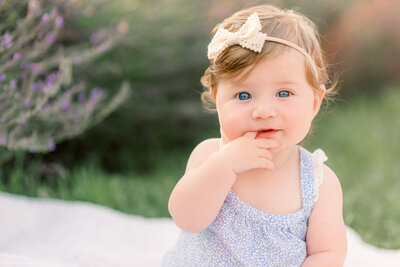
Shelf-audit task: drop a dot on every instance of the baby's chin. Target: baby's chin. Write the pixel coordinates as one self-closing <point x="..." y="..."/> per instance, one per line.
<point x="275" y="150"/>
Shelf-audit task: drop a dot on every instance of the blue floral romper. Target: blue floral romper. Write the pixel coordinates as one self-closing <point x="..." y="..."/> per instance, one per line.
<point x="244" y="236"/>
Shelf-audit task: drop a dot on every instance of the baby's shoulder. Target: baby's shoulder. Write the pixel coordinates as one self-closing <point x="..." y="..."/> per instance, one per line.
<point x="201" y="152"/>
<point x="330" y="177"/>
<point x="330" y="190"/>
<point x="207" y="146"/>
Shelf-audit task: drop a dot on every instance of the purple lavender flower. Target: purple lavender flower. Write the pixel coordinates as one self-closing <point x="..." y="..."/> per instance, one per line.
<point x="51" y="144"/>
<point x="2" y="118"/>
<point x="3" y="139"/>
<point x="2" y="77"/>
<point x="23" y="74"/>
<point x="95" y="93"/>
<point x="95" y="38"/>
<point x="13" y="83"/>
<point x="82" y="97"/>
<point x="8" y="41"/>
<point x="65" y="105"/>
<point x="45" y="89"/>
<point x="90" y="104"/>
<point x="22" y="121"/>
<point x="35" y="68"/>
<point x="50" y="38"/>
<point x="59" y="21"/>
<point x="35" y="86"/>
<point x="27" y="102"/>
<point x="16" y="56"/>
<point x="45" y="17"/>
<point x="102" y="48"/>
<point x="26" y="65"/>
<point x="51" y="78"/>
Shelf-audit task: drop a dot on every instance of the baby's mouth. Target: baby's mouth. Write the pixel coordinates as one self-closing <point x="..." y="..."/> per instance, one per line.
<point x="266" y="133"/>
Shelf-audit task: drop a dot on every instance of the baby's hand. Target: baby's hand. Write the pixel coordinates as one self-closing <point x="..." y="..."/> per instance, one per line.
<point x="246" y="152"/>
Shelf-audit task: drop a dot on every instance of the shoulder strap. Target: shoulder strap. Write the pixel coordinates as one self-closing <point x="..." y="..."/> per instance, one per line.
<point x="306" y="177"/>
<point x="318" y="158"/>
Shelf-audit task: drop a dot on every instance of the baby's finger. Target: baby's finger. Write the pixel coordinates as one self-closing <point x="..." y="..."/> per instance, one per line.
<point x="264" y="153"/>
<point x="265" y="164"/>
<point x="250" y="135"/>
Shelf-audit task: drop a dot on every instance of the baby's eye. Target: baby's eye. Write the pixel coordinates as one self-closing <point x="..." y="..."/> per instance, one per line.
<point x="243" y="96"/>
<point x="284" y="93"/>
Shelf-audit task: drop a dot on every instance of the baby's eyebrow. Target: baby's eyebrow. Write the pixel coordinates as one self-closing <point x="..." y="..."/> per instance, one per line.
<point x="288" y="82"/>
<point x="238" y="86"/>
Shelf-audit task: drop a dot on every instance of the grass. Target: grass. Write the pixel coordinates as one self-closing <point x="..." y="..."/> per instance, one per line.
<point x="360" y="138"/>
<point x="142" y="194"/>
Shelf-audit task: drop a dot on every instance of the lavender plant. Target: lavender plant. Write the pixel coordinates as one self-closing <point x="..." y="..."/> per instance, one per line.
<point x="41" y="103"/>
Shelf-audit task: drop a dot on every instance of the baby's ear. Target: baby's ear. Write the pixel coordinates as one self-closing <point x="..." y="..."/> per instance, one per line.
<point x="318" y="97"/>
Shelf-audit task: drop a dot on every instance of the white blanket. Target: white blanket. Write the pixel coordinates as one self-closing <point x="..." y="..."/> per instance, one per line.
<point x="39" y="232"/>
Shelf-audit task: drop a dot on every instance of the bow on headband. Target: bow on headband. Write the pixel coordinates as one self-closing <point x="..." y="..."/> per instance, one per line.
<point x="248" y="36"/>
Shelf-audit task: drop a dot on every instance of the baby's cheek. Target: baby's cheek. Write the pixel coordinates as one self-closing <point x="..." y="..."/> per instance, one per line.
<point x="300" y="129"/>
<point x="232" y="126"/>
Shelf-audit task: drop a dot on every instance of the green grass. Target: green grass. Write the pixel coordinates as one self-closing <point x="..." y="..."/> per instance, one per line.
<point x="359" y="136"/>
<point x="361" y="139"/>
<point x="142" y="194"/>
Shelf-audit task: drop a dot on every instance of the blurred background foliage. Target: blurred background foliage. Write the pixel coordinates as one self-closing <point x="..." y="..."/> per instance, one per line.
<point x="41" y="101"/>
<point x="131" y="160"/>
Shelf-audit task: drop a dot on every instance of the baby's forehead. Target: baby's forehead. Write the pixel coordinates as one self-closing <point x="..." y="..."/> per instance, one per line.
<point x="249" y="83"/>
<point x="285" y="68"/>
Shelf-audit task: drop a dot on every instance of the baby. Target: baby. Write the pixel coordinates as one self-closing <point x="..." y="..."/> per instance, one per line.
<point x="254" y="197"/>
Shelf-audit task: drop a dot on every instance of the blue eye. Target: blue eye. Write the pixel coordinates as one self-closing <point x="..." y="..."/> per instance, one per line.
<point x="243" y="96"/>
<point x="283" y="93"/>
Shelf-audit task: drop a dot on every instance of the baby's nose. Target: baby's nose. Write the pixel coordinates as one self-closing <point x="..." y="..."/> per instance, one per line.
<point x="264" y="111"/>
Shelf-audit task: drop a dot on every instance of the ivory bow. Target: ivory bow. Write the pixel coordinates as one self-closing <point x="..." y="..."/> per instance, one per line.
<point x="248" y="36"/>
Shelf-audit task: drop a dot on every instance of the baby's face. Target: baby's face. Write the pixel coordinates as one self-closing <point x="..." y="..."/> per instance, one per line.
<point x="275" y="100"/>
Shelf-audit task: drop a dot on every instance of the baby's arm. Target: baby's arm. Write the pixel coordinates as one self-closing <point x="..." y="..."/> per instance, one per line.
<point x="210" y="173"/>
<point x="198" y="196"/>
<point x="326" y="234"/>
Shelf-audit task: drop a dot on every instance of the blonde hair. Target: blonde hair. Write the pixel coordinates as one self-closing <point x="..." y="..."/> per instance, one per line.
<point x="284" y="24"/>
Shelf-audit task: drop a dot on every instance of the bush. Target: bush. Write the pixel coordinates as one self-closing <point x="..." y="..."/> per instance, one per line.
<point x="41" y="100"/>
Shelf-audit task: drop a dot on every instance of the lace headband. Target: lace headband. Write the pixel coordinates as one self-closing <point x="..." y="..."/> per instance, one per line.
<point x="248" y="36"/>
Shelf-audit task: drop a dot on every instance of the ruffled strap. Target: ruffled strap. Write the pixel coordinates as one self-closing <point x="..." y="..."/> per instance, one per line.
<point x="318" y="158"/>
